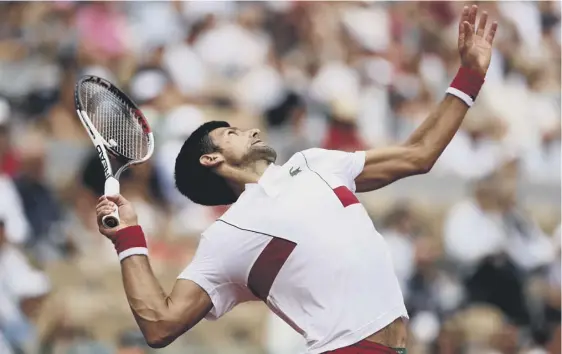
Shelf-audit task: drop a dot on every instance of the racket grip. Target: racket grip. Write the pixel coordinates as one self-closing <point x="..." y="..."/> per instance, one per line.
<point x="111" y="188"/>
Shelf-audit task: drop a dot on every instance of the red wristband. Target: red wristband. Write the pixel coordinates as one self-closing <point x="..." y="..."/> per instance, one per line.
<point x="130" y="241"/>
<point x="466" y="85"/>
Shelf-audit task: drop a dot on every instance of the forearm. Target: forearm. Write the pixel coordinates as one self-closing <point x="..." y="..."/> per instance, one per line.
<point x="161" y="318"/>
<point x="151" y="307"/>
<point x="435" y="133"/>
<point x="437" y="130"/>
<point x="146" y="298"/>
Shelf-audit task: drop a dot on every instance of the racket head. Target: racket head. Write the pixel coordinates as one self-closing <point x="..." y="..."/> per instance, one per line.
<point x="112" y="117"/>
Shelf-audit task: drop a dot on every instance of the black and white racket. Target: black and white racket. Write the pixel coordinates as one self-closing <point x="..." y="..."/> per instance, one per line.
<point x="116" y="126"/>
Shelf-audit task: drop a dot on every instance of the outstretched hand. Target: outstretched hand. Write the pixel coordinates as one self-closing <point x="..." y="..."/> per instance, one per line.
<point x="475" y="43"/>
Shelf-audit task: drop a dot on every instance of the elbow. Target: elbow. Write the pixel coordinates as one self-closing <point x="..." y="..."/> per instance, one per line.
<point x="423" y="161"/>
<point x="421" y="158"/>
<point x="157" y="344"/>
<point x="425" y="166"/>
<point x="160" y="335"/>
<point x="158" y="341"/>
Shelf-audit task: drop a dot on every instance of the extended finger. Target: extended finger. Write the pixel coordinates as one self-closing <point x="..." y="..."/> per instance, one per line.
<point x="462" y="33"/>
<point x="482" y="24"/>
<point x="464" y="15"/>
<point x="492" y="33"/>
<point x="468" y="32"/>
<point x="472" y="15"/>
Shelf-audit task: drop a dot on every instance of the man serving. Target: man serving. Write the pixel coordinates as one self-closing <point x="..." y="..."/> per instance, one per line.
<point x="296" y="237"/>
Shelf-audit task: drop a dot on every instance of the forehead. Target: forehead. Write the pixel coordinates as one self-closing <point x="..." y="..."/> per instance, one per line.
<point x="216" y="134"/>
<point x="219" y="131"/>
<point x="219" y="134"/>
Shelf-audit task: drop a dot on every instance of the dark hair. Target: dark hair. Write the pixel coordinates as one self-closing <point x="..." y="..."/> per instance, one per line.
<point x="197" y="182"/>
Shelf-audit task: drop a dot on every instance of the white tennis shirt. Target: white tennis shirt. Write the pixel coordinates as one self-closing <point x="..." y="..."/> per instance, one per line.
<point x="300" y="241"/>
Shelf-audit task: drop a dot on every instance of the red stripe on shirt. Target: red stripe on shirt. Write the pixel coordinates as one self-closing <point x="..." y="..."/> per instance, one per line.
<point x="267" y="266"/>
<point x="345" y="196"/>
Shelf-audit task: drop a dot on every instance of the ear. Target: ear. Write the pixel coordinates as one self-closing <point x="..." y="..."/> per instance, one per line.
<point x="211" y="160"/>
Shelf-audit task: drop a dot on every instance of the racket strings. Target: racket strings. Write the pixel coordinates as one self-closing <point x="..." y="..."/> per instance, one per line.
<point x="115" y="121"/>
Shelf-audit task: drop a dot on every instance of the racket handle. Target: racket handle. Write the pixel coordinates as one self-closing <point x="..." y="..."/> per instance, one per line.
<point x="111" y="188"/>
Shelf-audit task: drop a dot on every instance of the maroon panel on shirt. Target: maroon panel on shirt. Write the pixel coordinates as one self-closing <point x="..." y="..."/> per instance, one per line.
<point x="345" y="196"/>
<point x="267" y="266"/>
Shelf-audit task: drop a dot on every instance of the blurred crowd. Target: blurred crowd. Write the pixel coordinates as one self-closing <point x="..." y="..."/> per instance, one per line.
<point x="479" y="268"/>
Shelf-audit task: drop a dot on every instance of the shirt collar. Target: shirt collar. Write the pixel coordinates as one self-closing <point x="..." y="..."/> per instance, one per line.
<point x="269" y="180"/>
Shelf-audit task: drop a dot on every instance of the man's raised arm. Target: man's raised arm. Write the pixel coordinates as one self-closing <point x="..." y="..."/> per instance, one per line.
<point x="162" y="318"/>
<point x="420" y="152"/>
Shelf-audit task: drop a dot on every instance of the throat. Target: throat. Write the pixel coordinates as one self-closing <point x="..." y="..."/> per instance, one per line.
<point x="249" y="174"/>
<point x="258" y="169"/>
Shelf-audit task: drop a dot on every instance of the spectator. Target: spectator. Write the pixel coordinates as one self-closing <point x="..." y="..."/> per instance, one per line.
<point x="102" y="29"/>
<point x="12" y="213"/>
<point x="342" y="131"/>
<point x="432" y="288"/>
<point x="400" y="232"/>
<point x="496" y="224"/>
<point x="487" y="331"/>
<point x="473" y="227"/>
<point x="554" y="284"/>
<point x="476" y="150"/>
<point x="231" y="49"/>
<point x="23" y="291"/>
<point x="541" y="163"/>
<point x="505" y="246"/>
<point x="9" y="161"/>
<point x="287" y="126"/>
<point x="41" y="207"/>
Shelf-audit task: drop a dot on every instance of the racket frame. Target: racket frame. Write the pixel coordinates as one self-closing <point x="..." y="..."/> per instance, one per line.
<point x="111" y="186"/>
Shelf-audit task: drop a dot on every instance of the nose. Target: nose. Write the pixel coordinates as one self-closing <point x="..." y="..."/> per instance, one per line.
<point x="254" y="132"/>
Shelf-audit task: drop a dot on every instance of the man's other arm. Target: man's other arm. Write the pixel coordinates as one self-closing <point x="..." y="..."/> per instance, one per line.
<point x="161" y="318"/>
<point x="423" y="148"/>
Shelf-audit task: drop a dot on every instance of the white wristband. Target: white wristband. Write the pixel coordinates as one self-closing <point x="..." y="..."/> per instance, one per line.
<point x="461" y="95"/>
<point x="143" y="251"/>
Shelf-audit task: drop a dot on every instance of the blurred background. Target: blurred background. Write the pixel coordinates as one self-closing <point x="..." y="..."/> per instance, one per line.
<point x="476" y="242"/>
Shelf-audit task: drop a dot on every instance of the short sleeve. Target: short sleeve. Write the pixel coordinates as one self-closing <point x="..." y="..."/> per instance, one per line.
<point x="347" y="165"/>
<point x="207" y="271"/>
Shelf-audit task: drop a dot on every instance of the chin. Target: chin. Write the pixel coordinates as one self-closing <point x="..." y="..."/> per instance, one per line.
<point x="263" y="152"/>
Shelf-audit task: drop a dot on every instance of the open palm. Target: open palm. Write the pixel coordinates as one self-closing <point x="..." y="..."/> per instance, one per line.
<point x="475" y="45"/>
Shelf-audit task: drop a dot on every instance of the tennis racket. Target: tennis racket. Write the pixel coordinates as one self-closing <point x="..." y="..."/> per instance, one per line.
<point x="117" y="128"/>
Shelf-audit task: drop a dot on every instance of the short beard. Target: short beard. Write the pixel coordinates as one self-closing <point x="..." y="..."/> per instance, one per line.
<point x="260" y="153"/>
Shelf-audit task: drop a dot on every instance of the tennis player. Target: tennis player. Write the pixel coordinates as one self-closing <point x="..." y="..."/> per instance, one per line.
<point x="296" y="237"/>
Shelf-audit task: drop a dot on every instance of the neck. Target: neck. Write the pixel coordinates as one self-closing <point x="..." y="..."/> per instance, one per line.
<point x="238" y="177"/>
